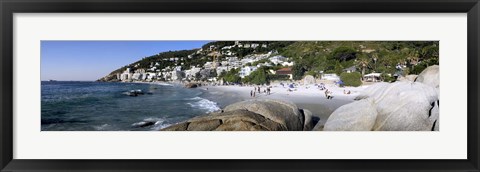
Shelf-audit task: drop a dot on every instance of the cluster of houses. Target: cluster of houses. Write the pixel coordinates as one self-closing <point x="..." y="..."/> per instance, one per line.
<point x="177" y="73"/>
<point x="230" y="62"/>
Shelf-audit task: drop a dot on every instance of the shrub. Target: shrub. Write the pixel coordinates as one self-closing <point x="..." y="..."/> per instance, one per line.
<point x="351" y="79"/>
<point x="258" y="77"/>
<point x="387" y="78"/>
<point x="278" y="77"/>
<point x="313" y="73"/>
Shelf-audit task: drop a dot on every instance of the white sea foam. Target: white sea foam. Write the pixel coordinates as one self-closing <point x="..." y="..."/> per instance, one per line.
<point x="159" y="123"/>
<point x="101" y="127"/>
<point x="205" y="104"/>
<point x="164" y="84"/>
<point x="195" y="98"/>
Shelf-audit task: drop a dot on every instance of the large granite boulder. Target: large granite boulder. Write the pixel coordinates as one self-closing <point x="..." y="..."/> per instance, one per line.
<point x="373" y="90"/>
<point x="352" y="118"/>
<point x="308" y="121"/>
<point x="430" y="76"/>
<point x="408" y="78"/>
<point x="398" y="106"/>
<point x="309" y="79"/>
<point x="251" y="115"/>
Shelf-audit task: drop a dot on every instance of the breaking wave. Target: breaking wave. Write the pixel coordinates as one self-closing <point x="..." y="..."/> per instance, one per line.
<point x="205" y="104"/>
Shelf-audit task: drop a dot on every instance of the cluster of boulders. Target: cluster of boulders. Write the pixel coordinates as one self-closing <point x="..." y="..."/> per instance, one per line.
<point x="408" y="105"/>
<point x="251" y="115"/>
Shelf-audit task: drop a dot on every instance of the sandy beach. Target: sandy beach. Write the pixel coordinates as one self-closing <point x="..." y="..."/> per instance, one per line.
<point x="304" y="96"/>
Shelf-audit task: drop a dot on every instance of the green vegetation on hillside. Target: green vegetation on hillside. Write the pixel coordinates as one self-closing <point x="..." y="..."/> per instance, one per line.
<point x="366" y="56"/>
<point x="390" y="58"/>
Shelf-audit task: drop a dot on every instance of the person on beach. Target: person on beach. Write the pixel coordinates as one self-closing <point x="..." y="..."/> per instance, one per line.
<point x="326" y="93"/>
<point x="254" y="94"/>
<point x="251" y="93"/>
<point x="329" y="95"/>
<point x="259" y="89"/>
<point x="268" y="90"/>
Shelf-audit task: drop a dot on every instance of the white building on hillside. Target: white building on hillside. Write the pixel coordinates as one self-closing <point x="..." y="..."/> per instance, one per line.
<point x="137" y="76"/>
<point x="247" y="60"/>
<point x="247" y="70"/>
<point x="287" y="64"/>
<point x="191" y="73"/>
<point x="177" y="75"/>
<point x="277" y="59"/>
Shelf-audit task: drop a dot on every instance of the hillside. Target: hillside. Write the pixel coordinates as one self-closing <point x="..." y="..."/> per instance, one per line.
<point x="308" y="57"/>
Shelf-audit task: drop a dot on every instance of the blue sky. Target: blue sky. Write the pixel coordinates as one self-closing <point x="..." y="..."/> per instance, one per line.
<point x="91" y="60"/>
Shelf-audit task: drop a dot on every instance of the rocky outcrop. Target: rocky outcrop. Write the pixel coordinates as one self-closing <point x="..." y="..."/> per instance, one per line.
<point x="430" y="76"/>
<point x="399" y="106"/>
<point x="309" y="79"/>
<point x="351" y="118"/>
<point x="408" y="78"/>
<point x="251" y="115"/>
<point x="143" y="124"/>
<point x="191" y="85"/>
<point x="109" y="78"/>
<point x="308" y="121"/>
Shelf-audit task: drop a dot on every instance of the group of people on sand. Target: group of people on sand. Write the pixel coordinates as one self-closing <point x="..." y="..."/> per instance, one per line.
<point x="321" y="86"/>
<point x="258" y="89"/>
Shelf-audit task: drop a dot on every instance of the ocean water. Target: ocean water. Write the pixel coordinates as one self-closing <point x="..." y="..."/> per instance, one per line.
<point x="100" y="106"/>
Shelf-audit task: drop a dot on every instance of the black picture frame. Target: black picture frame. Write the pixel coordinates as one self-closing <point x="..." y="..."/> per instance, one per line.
<point x="9" y="7"/>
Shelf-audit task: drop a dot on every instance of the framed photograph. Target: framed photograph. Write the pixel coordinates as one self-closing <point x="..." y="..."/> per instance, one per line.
<point x="199" y="85"/>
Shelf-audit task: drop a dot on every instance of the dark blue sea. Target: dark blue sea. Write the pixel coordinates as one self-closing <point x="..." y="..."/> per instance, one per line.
<point x="103" y="106"/>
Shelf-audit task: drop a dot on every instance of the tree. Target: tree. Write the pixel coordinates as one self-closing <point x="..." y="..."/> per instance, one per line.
<point x="362" y="62"/>
<point x="298" y="71"/>
<point x="231" y="76"/>
<point x="213" y="73"/>
<point x="343" y="53"/>
<point x="413" y="57"/>
<point x="258" y="77"/>
<point x="338" y="68"/>
<point x="222" y="74"/>
<point x="198" y="76"/>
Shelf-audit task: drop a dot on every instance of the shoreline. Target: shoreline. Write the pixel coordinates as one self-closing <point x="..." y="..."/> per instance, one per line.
<point x="304" y="96"/>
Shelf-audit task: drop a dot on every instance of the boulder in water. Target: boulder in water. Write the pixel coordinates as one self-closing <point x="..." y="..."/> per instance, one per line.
<point x="143" y="124"/>
<point x="191" y="85"/>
